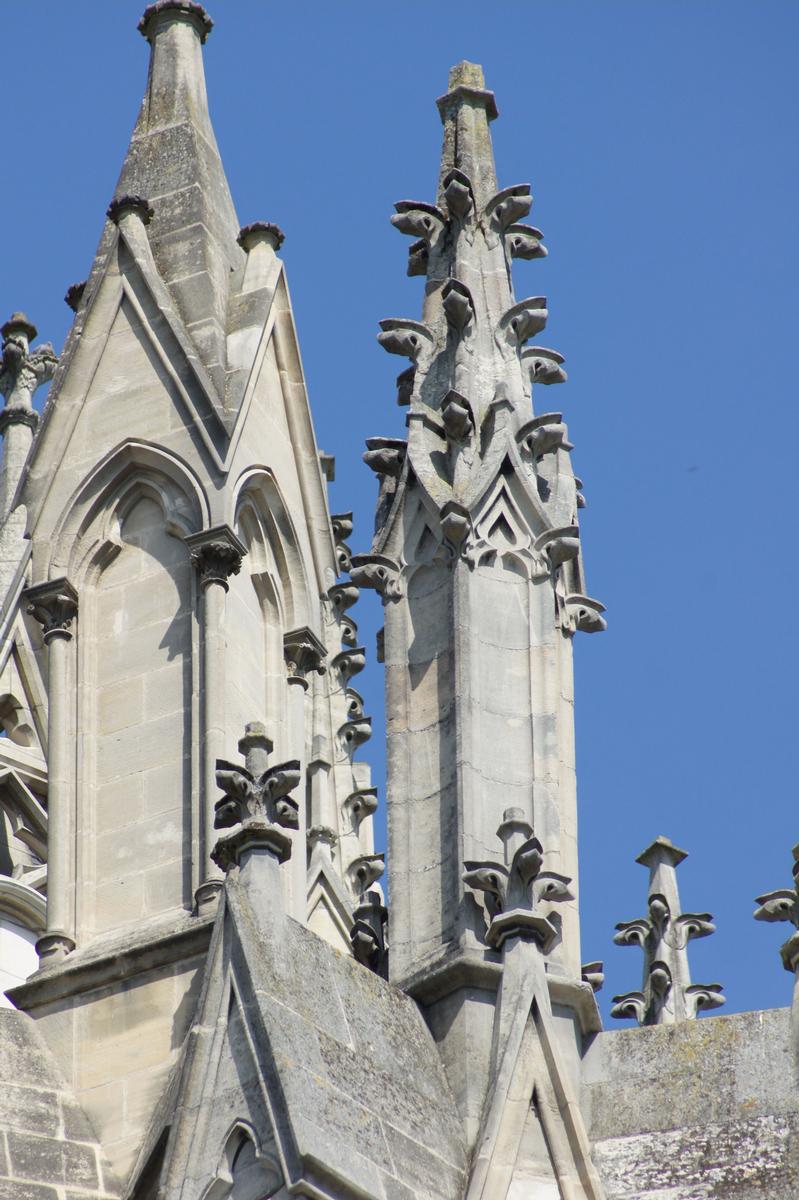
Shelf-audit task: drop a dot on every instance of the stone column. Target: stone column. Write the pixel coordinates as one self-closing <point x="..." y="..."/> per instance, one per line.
<point x="217" y="554"/>
<point x="55" y="606"/>
<point x="22" y="371"/>
<point x="304" y="654"/>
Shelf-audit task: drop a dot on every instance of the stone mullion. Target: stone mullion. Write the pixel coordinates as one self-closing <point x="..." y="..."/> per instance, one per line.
<point x="55" y="605"/>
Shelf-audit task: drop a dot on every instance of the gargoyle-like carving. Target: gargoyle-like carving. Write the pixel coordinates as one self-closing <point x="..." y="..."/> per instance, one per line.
<point x="354" y="704"/>
<point x="378" y="572"/>
<point x="385" y="456"/>
<point x="523" y="320"/>
<point x="457" y="188"/>
<point x="513" y="892"/>
<point x="368" y="933"/>
<point x="349" y="632"/>
<point x="524" y="241"/>
<point x="544" y="365"/>
<point x="342" y="525"/>
<point x="457" y="303"/>
<point x="408" y="338"/>
<point x="343" y="595"/>
<point x="365" y="871"/>
<point x="405" y="382"/>
<point x="54" y="605"/>
<point x="457" y="416"/>
<point x="783" y="905"/>
<point x="303" y="653"/>
<point x="342" y="528"/>
<point x="542" y="435"/>
<point x="583" y="613"/>
<point x="360" y="805"/>
<point x="23" y="370"/>
<point x="509" y="206"/>
<point x="667" y="994"/>
<point x="355" y="732"/>
<point x="418" y="258"/>
<point x="560" y="545"/>
<point x="350" y="662"/>
<point x="419" y="220"/>
<point x="578" y="483"/>
<point x="256" y="797"/>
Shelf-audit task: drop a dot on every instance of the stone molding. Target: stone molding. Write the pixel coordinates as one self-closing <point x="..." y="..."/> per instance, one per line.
<point x="18" y="414"/>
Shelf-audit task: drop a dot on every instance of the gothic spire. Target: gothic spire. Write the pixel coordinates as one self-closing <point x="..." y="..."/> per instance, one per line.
<point x="173" y="162"/>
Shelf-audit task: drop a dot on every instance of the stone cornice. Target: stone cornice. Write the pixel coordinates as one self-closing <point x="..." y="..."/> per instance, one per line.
<point x="115" y="959"/>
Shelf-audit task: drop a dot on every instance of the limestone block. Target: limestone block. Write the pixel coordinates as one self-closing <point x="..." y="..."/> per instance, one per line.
<point x="47" y="1160"/>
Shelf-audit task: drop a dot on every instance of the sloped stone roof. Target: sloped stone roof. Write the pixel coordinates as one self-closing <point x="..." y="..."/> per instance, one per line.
<point x="358" y="1101"/>
<point x="48" y="1150"/>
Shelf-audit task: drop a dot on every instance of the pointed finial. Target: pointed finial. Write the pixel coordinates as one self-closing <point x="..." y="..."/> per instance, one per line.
<point x="467" y="82"/>
<point x="174" y="9"/>
<point x="667" y="995"/>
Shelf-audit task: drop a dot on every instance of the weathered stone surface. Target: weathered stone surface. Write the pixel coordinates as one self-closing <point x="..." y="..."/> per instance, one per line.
<point x="694" y="1111"/>
<point x="47" y="1143"/>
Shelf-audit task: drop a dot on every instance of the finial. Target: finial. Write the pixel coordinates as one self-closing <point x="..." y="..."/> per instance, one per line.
<point x="467" y="82"/>
<point x="121" y="205"/>
<point x="667" y="995"/>
<point x="256" y="797"/>
<point x="194" y="13"/>
<point x="18" y="324"/>
<point x="513" y="891"/>
<point x="260" y="231"/>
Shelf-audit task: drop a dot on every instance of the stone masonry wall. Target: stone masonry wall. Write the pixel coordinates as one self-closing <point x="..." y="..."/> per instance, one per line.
<point x="701" y="1110"/>
<point x="48" y="1150"/>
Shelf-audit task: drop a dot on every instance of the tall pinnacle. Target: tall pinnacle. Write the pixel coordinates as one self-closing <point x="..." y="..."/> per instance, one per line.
<point x="173" y="162"/>
<point x="466" y="109"/>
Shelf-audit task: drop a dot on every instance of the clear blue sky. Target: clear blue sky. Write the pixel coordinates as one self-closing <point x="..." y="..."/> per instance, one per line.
<point x="660" y="141"/>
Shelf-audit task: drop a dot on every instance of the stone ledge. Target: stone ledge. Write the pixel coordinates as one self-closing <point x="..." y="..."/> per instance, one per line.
<point x="110" y="960"/>
<point x="482" y="969"/>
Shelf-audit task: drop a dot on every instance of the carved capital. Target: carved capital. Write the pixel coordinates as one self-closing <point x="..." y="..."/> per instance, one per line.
<point x="120" y="206"/>
<point x="378" y="572"/>
<point x="303" y="653"/>
<point x="217" y="554"/>
<point x="260" y="231"/>
<point x="54" y="605"/>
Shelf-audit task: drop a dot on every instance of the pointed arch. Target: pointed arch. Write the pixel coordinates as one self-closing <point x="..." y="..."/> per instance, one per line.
<point x="258" y="493"/>
<point x="88" y="532"/>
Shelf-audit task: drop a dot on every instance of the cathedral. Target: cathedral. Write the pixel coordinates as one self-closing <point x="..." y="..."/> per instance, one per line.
<point x="212" y="984"/>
